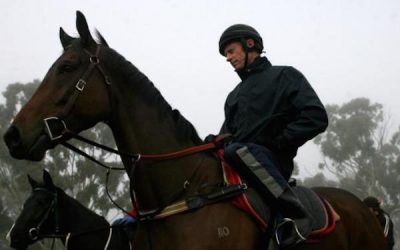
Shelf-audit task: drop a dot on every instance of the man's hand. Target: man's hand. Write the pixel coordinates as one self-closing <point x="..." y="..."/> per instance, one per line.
<point x="209" y="138"/>
<point x="125" y="221"/>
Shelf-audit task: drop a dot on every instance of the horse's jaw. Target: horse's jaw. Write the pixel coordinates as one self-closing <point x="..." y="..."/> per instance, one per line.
<point x="18" y="247"/>
<point x="19" y="244"/>
<point x="39" y="148"/>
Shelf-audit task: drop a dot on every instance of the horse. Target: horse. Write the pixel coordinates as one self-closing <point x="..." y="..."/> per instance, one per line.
<point x="90" y="83"/>
<point x="50" y="213"/>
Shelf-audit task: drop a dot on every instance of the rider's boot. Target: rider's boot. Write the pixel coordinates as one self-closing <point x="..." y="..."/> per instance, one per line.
<point x="297" y="222"/>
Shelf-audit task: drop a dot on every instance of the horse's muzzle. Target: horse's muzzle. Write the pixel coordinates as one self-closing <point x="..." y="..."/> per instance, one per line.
<point x="19" y="150"/>
<point x="12" y="138"/>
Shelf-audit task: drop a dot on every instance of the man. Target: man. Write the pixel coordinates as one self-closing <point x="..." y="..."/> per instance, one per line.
<point x="387" y="225"/>
<point x="271" y="113"/>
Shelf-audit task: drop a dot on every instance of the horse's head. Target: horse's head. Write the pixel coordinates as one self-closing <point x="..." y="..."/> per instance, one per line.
<point x="38" y="215"/>
<point x="74" y="93"/>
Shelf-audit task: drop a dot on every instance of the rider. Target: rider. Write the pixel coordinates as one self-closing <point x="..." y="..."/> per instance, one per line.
<point x="387" y="225"/>
<point x="271" y="113"/>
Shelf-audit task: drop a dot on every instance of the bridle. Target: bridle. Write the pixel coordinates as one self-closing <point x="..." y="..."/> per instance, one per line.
<point x="34" y="232"/>
<point x="55" y="125"/>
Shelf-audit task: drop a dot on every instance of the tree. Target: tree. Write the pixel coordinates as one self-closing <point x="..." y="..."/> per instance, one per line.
<point x="319" y="180"/>
<point x="80" y="177"/>
<point x="360" y="150"/>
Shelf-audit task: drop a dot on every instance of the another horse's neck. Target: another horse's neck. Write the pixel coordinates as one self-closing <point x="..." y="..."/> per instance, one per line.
<point x="144" y="122"/>
<point x="76" y="219"/>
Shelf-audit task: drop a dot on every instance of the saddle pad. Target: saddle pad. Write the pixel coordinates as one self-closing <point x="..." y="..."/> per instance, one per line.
<point x="250" y="202"/>
<point x="257" y="210"/>
<point x="314" y="206"/>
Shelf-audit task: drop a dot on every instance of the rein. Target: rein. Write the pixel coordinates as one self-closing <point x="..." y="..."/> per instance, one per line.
<point x="56" y="128"/>
<point x="145" y="157"/>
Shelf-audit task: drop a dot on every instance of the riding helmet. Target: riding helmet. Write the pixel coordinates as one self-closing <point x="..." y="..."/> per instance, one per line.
<point x="238" y="32"/>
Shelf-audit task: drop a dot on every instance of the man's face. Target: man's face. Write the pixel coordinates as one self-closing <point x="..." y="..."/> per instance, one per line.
<point x="234" y="54"/>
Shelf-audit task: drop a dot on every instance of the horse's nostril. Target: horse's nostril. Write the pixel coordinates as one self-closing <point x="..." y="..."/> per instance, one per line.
<point x="12" y="137"/>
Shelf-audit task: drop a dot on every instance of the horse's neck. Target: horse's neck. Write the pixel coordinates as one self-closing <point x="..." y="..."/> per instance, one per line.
<point x="141" y="120"/>
<point x="77" y="219"/>
<point x="140" y="126"/>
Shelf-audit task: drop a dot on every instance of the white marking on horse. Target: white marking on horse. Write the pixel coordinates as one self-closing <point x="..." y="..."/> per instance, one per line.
<point x="223" y="232"/>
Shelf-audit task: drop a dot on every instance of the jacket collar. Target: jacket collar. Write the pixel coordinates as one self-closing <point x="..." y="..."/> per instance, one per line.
<point x="259" y="64"/>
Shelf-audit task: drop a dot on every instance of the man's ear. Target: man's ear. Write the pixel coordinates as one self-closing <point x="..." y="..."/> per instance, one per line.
<point x="250" y="43"/>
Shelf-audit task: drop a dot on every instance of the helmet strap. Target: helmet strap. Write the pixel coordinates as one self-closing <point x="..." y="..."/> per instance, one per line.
<point x="246" y="51"/>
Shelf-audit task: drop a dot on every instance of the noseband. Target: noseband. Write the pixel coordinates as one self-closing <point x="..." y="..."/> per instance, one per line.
<point x="55" y="125"/>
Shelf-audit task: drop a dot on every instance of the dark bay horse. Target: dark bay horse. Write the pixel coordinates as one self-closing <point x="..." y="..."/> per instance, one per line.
<point x="91" y="83"/>
<point x="49" y="209"/>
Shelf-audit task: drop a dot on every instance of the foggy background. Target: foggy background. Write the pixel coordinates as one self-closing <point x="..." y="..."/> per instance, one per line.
<point x="346" y="49"/>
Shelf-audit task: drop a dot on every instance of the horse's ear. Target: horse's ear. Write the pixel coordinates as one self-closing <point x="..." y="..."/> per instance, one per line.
<point x="47" y="179"/>
<point x="101" y="38"/>
<point x="32" y="182"/>
<point x="65" y="39"/>
<point x="83" y="30"/>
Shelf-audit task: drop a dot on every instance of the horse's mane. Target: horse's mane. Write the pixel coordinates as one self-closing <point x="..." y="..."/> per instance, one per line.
<point x="151" y="94"/>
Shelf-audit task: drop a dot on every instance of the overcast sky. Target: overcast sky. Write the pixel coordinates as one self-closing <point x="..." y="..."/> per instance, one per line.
<point x="345" y="48"/>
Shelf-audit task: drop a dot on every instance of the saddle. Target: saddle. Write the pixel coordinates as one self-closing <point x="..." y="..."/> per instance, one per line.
<point x="324" y="215"/>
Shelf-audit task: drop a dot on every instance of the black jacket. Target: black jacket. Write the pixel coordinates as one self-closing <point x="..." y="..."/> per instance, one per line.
<point x="276" y="107"/>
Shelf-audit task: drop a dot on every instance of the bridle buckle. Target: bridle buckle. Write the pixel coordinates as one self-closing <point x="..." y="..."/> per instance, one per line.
<point x="53" y="131"/>
<point x="80" y="85"/>
<point x="34" y="233"/>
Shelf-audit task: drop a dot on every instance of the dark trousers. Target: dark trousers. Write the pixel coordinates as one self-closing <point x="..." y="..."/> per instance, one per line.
<point x="261" y="170"/>
<point x="258" y="166"/>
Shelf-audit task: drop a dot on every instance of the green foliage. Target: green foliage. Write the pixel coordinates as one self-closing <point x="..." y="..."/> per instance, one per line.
<point x="80" y="177"/>
<point x="360" y="150"/>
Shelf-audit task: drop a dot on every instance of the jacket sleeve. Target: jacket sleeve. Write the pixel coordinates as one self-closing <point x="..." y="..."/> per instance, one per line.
<point x="311" y="118"/>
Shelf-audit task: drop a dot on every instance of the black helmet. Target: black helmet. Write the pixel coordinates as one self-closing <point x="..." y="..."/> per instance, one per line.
<point x="372" y="202"/>
<point x="238" y="32"/>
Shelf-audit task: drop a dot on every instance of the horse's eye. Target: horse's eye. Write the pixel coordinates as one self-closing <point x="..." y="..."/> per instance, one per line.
<point x="65" y="68"/>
